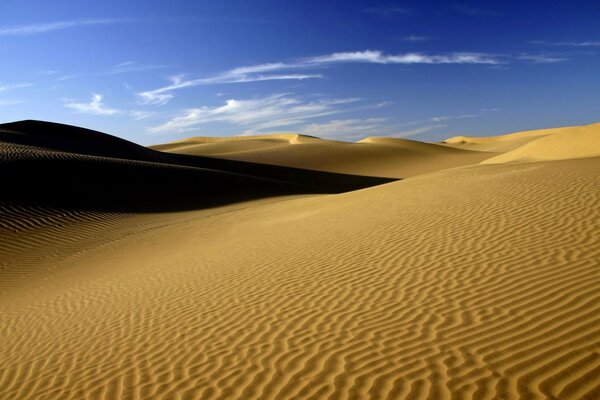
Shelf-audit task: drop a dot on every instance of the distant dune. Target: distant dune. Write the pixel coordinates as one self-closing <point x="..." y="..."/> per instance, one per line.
<point x="291" y="267"/>
<point x="566" y="143"/>
<point x="385" y="157"/>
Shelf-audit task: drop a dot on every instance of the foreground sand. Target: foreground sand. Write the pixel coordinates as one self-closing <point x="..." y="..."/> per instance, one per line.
<point x="481" y="281"/>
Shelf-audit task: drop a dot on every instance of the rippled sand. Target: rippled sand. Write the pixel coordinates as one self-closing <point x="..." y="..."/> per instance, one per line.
<point x="466" y="280"/>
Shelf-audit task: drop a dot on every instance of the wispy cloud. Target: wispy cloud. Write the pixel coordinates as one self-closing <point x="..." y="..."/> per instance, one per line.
<point x="254" y="73"/>
<point x="567" y="44"/>
<point x="255" y="115"/>
<point x="541" y="58"/>
<point x="474" y="11"/>
<point x="377" y="57"/>
<point x="416" y="131"/>
<point x="94" y="107"/>
<point x="139" y="115"/>
<point x="347" y="128"/>
<point x="11" y="86"/>
<point x="415" y="38"/>
<point x="131" y="66"/>
<point x="275" y="71"/>
<point x="33" y="29"/>
<point x="390" y="11"/>
<point x="9" y="102"/>
<point x="441" y="118"/>
<point x="446" y="118"/>
<point x="121" y="68"/>
<point x="46" y="72"/>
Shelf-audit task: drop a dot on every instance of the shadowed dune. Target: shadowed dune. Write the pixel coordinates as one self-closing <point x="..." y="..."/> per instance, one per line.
<point x="54" y="165"/>
<point x="479" y="281"/>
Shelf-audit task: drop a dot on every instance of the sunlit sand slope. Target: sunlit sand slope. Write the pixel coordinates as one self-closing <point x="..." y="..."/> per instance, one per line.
<point x="502" y="143"/>
<point x="478" y="282"/>
<point x="385" y="157"/>
<point x="575" y="142"/>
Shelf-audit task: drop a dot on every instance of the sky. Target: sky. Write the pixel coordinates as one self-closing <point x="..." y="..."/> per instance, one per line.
<point x="154" y="71"/>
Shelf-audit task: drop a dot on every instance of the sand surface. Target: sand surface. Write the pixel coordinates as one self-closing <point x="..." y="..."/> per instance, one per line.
<point x="476" y="277"/>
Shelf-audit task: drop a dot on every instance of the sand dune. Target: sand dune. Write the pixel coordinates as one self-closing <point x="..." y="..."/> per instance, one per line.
<point x="385" y="157"/>
<point x="502" y="143"/>
<point x="228" y="144"/>
<point x="575" y="142"/>
<point x="54" y="165"/>
<point x="479" y="281"/>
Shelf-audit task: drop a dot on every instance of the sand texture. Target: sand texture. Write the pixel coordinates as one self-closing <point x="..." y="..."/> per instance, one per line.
<point x="476" y="276"/>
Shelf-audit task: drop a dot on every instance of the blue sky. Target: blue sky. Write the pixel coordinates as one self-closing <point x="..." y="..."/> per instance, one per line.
<point x="154" y="71"/>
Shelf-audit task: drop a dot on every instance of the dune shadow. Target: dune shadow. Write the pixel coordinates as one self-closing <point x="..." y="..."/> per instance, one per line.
<point x="61" y="166"/>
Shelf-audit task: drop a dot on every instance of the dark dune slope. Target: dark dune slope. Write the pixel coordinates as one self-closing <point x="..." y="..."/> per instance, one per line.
<point x="62" y="166"/>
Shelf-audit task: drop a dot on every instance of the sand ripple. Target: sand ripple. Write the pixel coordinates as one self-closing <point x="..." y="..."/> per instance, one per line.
<point x="480" y="282"/>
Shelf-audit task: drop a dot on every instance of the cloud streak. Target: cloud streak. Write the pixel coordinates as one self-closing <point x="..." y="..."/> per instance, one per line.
<point x="289" y="71"/>
<point x="417" y="131"/>
<point x="474" y="11"/>
<point x="34" y="29"/>
<point x="390" y="11"/>
<point x="541" y="58"/>
<point x="12" y="86"/>
<point x="377" y="57"/>
<point x="163" y="94"/>
<point x="254" y="115"/>
<point x="347" y="128"/>
<point x="94" y="107"/>
<point x="122" y="68"/>
<point x="415" y="38"/>
<point x="567" y="44"/>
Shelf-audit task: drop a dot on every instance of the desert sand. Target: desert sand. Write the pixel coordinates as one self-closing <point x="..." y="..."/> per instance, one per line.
<point x="292" y="267"/>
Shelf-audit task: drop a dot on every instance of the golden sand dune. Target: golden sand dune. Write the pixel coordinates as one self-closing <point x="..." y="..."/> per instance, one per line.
<point x="236" y="142"/>
<point x="502" y="143"/>
<point x="477" y="282"/>
<point x="574" y="142"/>
<point x="45" y="164"/>
<point x="386" y="157"/>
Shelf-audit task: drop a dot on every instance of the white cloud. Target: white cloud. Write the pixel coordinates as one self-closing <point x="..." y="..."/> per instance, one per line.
<point x="541" y="58"/>
<point x="567" y="44"/>
<point x="390" y="11"/>
<point x="6" y="103"/>
<point x="139" y="115"/>
<point x="474" y="11"/>
<point x="122" y="68"/>
<point x="12" y="86"/>
<point x="162" y="95"/>
<point x="32" y="29"/>
<point x="130" y="66"/>
<point x="347" y="128"/>
<point x="255" y="115"/>
<point x="377" y="57"/>
<point x="417" y="131"/>
<point x="442" y="118"/>
<point x="415" y="38"/>
<point x="445" y="118"/>
<point x="97" y="107"/>
<point x="94" y="107"/>
<point x="46" y="72"/>
<point x="265" y="72"/>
